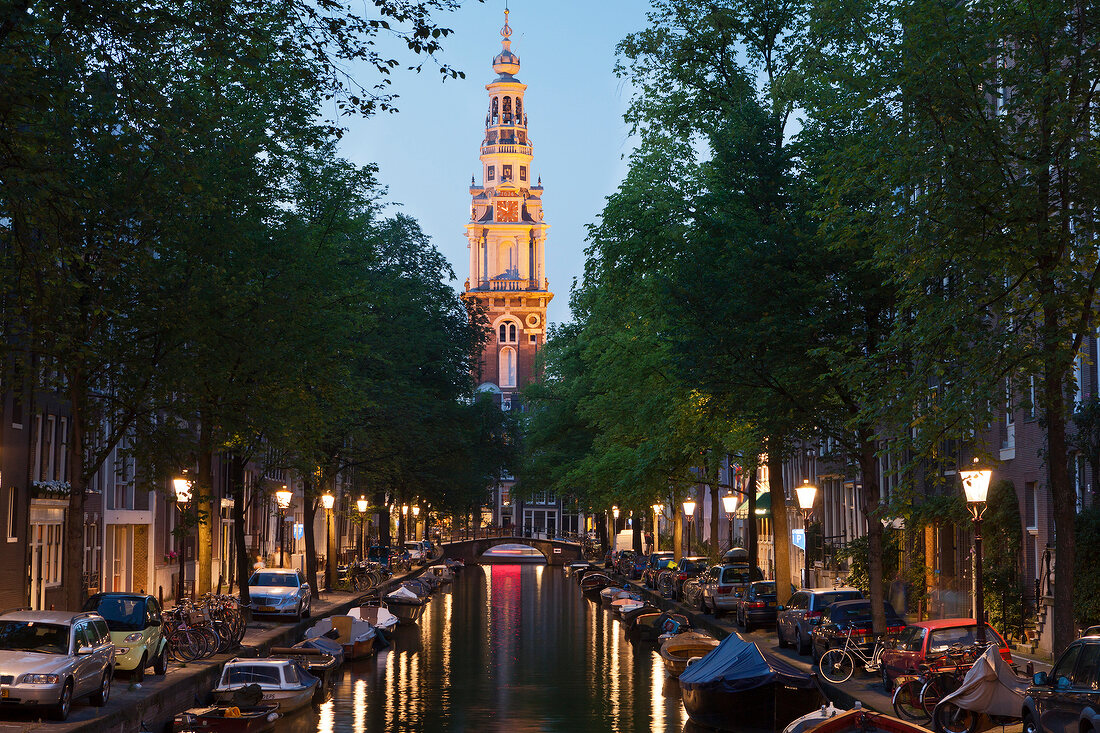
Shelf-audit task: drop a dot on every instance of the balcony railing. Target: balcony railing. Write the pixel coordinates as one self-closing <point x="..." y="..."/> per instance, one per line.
<point x="494" y="149"/>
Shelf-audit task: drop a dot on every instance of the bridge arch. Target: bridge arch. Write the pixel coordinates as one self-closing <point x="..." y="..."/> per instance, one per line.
<point x="556" y="552"/>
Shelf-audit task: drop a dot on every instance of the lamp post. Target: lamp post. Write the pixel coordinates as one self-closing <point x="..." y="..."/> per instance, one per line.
<point x="615" y="526"/>
<point x="689" y="510"/>
<point x="182" y="486"/>
<point x="807" y="492"/>
<point x="657" y="509"/>
<point x="404" y="528"/>
<point x="328" y="501"/>
<point x="282" y="501"/>
<point x="361" y="505"/>
<point x="416" y="519"/>
<point x="729" y="503"/>
<point x="976" y="485"/>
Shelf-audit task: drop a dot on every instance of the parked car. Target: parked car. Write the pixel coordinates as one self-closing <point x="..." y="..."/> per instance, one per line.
<point x="795" y="621"/>
<point x="379" y="554"/>
<point x="926" y="639"/>
<point x="417" y="555"/>
<point x="756" y="604"/>
<point x="725" y="583"/>
<point x="136" y="630"/>
<point x="50" y="658"/>
<point x="640" y="562"/>
<point x="844" y="617"/>
<point x="655" y="563"/>
<point x="1068" y="698"/>
<point x="688" y="567"/>
<point x="280" y="591"/>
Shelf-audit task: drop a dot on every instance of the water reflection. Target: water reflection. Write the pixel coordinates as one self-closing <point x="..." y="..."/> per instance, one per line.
<point x="504" y="648"/>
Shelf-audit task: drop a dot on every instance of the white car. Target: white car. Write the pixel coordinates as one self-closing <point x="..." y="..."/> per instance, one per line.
<point x="417" y="554"/>
<point x="279" y="591"/>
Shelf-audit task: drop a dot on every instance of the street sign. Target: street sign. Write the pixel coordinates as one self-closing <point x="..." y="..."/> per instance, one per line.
<point x="557" y="550"/>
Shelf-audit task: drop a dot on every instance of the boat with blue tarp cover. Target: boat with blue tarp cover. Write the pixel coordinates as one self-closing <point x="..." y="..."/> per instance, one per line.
<point x="736" y="686"/>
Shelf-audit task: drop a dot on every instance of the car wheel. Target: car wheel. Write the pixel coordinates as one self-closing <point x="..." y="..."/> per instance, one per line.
<point x="779" y="636"/>
<point x="160" y="664"/>
<point x="309" y="609"/>
<point x="60" y="711"/>
<point x="1029" y="724"/>
<point x="139" y="671"/>
<point x="813" y="651"/>
<point x="887" y="683"/>
<point x="298" y="615"/>
<point x="802" y="647"/>
<point x="100" y="697"/>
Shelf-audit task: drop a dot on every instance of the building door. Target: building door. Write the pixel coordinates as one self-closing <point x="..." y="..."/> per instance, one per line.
<point x="121" y="554"/>
<point x="37" y="568"/>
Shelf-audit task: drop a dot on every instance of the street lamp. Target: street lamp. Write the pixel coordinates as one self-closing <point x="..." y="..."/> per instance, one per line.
<point x="416" y="515"/>
<point x="729" y="503"/>
<point x="689" y="510"/>
<point x="807" y="493"/>
<point x="182" y="486"/>
<point x="282" y="501"/>
<point x="976" y="485"/>
<point x="404" y="528"/>
<point x="657" y="509"/>
<point x="328" y="501"/>
<point x="615" y="526"/>
<point x="361" y="505"/>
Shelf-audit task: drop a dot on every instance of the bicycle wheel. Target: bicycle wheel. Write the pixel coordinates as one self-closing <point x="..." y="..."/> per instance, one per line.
<point x="937" y="688"/>
<point x="836" y="665"/>
<point x="185" y="645"/>
<point x="906" y="700"/>
<point x="950" y="718"/>
<point x="664" y="583"/>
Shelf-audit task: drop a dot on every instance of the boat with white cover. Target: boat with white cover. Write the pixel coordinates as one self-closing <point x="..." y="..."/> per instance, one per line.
<point x="283" y="682"/>
<point x="356" y="636"/>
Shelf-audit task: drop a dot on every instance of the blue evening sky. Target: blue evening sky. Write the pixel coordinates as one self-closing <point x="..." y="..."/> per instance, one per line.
<point x="428" y="151"/>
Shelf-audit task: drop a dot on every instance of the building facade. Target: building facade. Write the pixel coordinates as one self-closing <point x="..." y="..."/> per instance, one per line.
<point x="506" y="237"/>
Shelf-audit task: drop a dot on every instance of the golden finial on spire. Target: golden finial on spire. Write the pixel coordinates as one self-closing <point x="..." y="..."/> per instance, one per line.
<point x="506" y="31"/>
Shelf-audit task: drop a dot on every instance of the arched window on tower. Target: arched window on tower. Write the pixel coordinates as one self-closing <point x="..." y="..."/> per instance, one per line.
<point x="511" y="333"/>
<point x="507" y="367"/>
<point x="519" y="111"/>
<point x="496" y="112"/>
<point x="507" y="110"/>
<point x="503" y="333"/>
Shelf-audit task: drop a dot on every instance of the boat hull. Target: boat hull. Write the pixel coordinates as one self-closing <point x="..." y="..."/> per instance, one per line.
<point x="768" y="707"/>
<point x="406" y="612"/>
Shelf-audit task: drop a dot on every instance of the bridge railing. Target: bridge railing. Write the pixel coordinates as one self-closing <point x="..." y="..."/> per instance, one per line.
<point x="536" y="533"/>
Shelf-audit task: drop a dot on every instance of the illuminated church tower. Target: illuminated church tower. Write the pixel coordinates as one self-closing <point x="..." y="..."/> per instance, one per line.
<point x="507" y="237"/>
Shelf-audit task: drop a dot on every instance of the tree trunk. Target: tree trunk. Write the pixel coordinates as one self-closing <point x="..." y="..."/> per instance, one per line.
<point x="781" y="540"/>
<point x="752" y="539"/>
<point x="868" y="470"/>
<point x="244" y="556"/>
<point x="1062" y="495"/>
<point x="73" y="571"/>
<point x="715" y="516"/>
<point x="309" y="513"/>
<point x="677" y="532"/>
<point x="636" y="528"/>
<point x="204" y="505"/>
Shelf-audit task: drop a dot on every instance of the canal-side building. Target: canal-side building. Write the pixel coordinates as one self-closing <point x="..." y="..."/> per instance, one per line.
<point x="506" y="236"/>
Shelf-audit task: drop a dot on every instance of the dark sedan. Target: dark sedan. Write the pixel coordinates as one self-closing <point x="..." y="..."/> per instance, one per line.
<point x="655" y="563"/>
<point x="757" y="605"/>
<point x="1068" y="698"/>
<point x="843" y="617"/>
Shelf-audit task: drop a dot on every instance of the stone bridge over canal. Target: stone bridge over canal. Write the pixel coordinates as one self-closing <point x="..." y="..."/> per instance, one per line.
<point x="556" y="552"/>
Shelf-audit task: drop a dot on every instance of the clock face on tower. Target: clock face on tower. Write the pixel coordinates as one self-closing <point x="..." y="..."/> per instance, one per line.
<point x="507" y="211"/>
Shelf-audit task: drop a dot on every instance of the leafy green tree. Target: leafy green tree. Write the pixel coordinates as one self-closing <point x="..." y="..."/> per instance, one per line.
<point x="975" y="137"/>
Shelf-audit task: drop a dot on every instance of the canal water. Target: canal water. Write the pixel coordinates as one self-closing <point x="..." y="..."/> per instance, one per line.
<point x="512" y="648"/>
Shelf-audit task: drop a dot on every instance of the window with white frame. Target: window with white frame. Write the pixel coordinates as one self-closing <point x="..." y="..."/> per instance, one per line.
<point x="13" y="515"/>
<point x="46" y="546"/>
<point x="1031" y="397"/>
<point x="507" y="367"/>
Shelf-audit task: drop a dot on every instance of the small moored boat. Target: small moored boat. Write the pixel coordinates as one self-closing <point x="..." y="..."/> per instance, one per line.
<point x="282" y="681"/>
<point x="593" y="583"/>
<point x="735" y="684"/>
<point x="649" y="626"/>
<point x="317" y="663"/>
<point x="677" y="650"/>
<point x="323" y="644"/>
<point x="377" y="615"/>
<point x="355" y="636"/>
<point x="856" y="720"/>
<point x="406" y="604"/>
<point x="441" y="572"/>
<point x="226" y="719"/>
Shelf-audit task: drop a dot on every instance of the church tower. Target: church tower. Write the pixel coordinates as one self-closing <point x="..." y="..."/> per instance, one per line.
<point x="506" y="236"/>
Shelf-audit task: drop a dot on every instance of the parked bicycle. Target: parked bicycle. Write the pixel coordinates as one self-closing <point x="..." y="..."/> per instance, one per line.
<point x="838" y="665"/>
<point x="200" y="629"/>
<point x="916" y="697"/>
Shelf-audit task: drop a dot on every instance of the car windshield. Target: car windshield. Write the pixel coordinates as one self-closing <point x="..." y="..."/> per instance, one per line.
<point x="31" y="636"/>
<point x="735" y="574"/>
<point x="764" y="589"/>
<point x="274" y="579"/>
<point x="942" y="639"/>
<point x="239" y="674"/>
<point x="121" y="614"/>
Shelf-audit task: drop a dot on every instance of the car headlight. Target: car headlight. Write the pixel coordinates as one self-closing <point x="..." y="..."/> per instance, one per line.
<point x="136" y="636"/>
<point x="288" y="601"/>
<point x="41" y="679"/>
